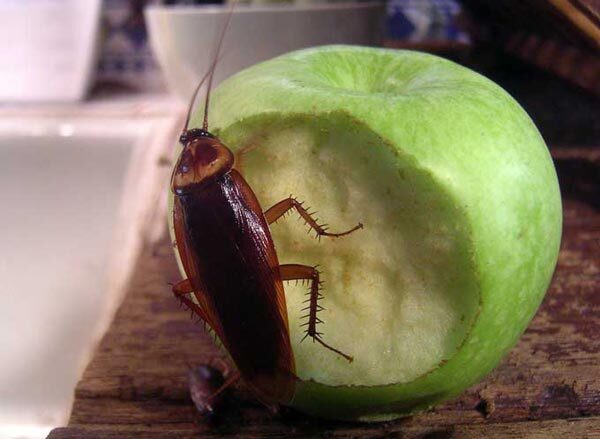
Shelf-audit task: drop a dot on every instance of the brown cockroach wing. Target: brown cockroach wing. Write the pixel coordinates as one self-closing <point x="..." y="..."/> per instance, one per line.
<point x="273" y="261"/>
<point x="189" y="267"/>
<point x="229" y="257"/>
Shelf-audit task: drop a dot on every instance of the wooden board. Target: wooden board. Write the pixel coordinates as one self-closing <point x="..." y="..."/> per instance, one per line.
<point x="548" y="386"/>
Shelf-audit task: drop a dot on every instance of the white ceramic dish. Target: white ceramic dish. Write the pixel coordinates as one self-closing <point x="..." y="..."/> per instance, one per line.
<point x="183" y="37"/>
<point x="76" y="194"/>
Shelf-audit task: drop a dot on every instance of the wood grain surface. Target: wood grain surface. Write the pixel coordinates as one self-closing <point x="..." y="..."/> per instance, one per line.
<point x="547" y="387"/>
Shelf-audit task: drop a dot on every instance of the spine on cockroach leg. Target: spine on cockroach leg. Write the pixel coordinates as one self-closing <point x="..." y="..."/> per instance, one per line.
<point x="313" y="306"/>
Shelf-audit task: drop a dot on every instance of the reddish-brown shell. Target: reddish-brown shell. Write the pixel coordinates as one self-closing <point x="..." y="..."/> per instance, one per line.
<point x="229" y="257"/>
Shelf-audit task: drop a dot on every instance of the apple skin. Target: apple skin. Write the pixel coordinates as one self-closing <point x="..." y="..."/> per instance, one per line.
<point x="475" y="141"/>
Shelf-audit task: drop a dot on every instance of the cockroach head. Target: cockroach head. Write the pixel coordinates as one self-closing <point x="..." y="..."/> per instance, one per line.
<point x="204" y="159"/>
<point x="193" y="134"/>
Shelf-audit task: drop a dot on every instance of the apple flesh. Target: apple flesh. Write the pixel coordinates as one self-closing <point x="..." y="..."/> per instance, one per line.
<point x="460" y="205"/>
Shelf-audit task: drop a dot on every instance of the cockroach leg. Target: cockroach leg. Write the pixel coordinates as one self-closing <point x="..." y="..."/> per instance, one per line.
<point x="304" y="272"/>
<point x="230" y="379"/>
<point x="281" y="208"/>
<point x="181" y="290"/>
<point x="223" y="366"/>
<point x="240" y="154"/>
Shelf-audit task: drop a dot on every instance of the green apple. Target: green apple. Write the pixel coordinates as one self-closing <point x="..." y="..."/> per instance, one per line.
<point x="460" y="205"/>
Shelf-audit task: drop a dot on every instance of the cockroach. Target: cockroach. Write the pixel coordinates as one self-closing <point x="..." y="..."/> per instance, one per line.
<point x="205" y="383"/>
<point x="234" y="280"/>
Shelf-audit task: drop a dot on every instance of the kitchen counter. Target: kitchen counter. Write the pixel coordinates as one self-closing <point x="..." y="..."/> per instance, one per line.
<point x="548" y="386"/>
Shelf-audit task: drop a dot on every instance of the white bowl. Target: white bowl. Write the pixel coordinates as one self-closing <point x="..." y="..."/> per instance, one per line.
<point x="48" y="50"/>
<point x="183" y="38"/>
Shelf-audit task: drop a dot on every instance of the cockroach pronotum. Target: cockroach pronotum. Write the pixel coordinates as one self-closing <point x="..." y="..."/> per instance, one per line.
<point x="225" y="245"/>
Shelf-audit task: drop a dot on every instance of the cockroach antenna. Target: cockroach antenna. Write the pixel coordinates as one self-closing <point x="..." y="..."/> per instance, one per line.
<point x="213" y="67"/>
<point x="209" y="75"/>
<point x="191" y="105"/>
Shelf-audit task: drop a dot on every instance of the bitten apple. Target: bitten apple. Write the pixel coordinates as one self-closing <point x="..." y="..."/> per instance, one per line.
<point x="460" y="205"/>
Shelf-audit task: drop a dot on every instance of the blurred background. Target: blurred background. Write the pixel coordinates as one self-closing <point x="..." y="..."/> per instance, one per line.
<point x="92" y="95"/>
